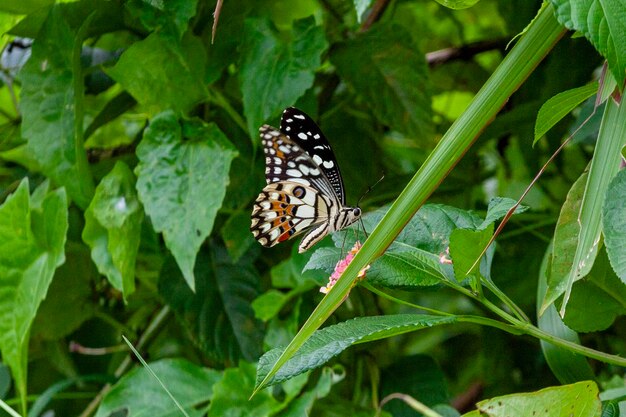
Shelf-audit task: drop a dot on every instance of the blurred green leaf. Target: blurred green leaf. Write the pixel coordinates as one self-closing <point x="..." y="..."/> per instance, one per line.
<point x="113" y="228"/>
<point x="289" y="68"/>
<point x="232" y="395"/>
<point x="163" y="58"/>
<point x="180" y="191"/>
<point x="614" y="224"/>
<point x="559" y="106"/>
<point x="218" y="314"/>
<point x="457" y="4"/>
<point x="566" y="367"/>
<point x="68" y="303"/>
<point x="24" y="6"/>
<point x="603" y="22"/>
<point x="597" y="299"/>
<point x="172" y="15"/>
<point x="327" y="343"/>
<point x="385" y="67"/>
<point x="52" y="115"/>
<point x="236" y="234"/>
<point x="32" y="232"/>
<point x="140" y="394"/>
<point x="580" y="400"/>
<point x="418" y="376"/>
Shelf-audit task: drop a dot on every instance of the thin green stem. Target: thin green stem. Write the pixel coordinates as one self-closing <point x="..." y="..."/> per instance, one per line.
<point x="218" y="99"/>
<point x="519" y="313"/>
<point x="383" y="294"/>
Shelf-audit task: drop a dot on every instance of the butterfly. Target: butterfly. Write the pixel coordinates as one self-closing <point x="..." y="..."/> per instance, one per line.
<point x="304" y="191"/>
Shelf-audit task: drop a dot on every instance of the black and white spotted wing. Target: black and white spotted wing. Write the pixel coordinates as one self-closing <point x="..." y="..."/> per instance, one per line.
<point x="298" y="196"/>
<point x="304" y="131"/>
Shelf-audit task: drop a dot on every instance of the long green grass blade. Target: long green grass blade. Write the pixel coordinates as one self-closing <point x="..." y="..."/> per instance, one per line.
<point x="532" y="47"/>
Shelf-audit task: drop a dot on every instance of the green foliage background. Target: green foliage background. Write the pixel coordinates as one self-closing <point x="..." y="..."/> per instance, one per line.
<point x="129" y="161"/>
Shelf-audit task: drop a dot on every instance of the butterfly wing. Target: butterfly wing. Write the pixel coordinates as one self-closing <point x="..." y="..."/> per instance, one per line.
<point x="302" y="130"/>
<point x="285" y="209"/>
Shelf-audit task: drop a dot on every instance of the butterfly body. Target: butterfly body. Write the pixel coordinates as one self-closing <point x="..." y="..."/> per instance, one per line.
<point x="304" y="190"/>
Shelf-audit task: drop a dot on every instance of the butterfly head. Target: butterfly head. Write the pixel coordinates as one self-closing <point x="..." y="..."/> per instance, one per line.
<point x="347" y="216"/>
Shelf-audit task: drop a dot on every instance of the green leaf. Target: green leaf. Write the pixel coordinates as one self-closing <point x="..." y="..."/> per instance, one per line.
<point x="113" y="228"/>
<point x="385" y="67"/>
<point x="497" y="209"/>
<point x="603" y="22"/>
<point x="140" y="394"/>
<point x="604" y="166"/>
<point x="218" y="314"/>
<point x="289" y="68"/>
<point x="32" y="232"/>
<point x="24" y="6"/>
<point x="559" y="106"/>
<point x="579" y="400"/>
<point x="327" y="343"/>
<point x="614" y="224"/>
<point x="163" y="58"/>
<point x="457" y="4"/>
<point x="413" y="260"/>
<point x="566" y="366"/>
<point x="69" y="301"/>
<point x="180" y="190"/>
<point x="232" y="395"/>
<point x="597" y="300"/>
<point x="236" y="234"/>
<point x="172" y="15"/>
<point x="52" y="115"/>
<point x="466" y="246"/>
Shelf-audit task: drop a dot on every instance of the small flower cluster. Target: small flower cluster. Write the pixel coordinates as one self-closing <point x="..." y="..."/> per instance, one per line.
<point x="342" y="265"/>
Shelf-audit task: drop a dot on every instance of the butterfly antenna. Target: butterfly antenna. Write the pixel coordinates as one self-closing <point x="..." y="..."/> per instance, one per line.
<point x="370" y="188"/>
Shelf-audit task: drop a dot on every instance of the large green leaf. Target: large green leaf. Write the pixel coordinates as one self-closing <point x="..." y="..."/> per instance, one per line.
<point x="614" y="224"/>
<point x="287" y="71"/>
<point x="604" y="166"/>
<point x="457" y="4"/>
<point x="385" y="66"/>
<point x="140" y="394"/>
<point x="327" y="343"/>
<point x="181" y="179"/>
<point x="180" y="62"/>
<point x="24" y="6"/>
<point x="218" y="315"/>
<point x="32" y="236"/>
<point x="113" y="227"/>
<point x="52" y="100"/>
<point x="576" y="400"/>
<point x="603" y="22"/>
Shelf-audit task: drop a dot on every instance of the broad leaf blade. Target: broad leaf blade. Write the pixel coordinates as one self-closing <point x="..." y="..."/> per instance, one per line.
<point x="614" y="224"/>
<point x="329" y="342"/>
<point x="180" y="189"/>
<point x="163" y="58"/>
<point x="50" y="114"/>
<point x="289" y="70"/>
<point x="113" y="227"/>
<point x="603" y="22"/>
<point x="559" y="106"/>
<point x="580" y="400"/>
<point x="140" y="394"/>
<point x="384" y="66"/>
<point x="604" y="166"/>
<point x="27" y="264"/>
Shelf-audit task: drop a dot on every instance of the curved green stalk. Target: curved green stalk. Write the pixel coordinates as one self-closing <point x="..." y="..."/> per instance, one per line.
<point x="540" y="37"/>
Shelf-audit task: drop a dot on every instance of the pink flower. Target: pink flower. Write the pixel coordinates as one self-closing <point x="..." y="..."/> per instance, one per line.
<point x="342" y="265"/>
